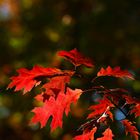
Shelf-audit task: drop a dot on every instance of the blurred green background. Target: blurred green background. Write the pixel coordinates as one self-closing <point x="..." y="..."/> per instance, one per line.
<point x="32" y="31"/>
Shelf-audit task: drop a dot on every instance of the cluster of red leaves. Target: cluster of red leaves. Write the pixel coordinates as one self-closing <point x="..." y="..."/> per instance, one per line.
<point x="55" y="108"/>
<point x="57" y="96"/>
<point x="130" y="128"/>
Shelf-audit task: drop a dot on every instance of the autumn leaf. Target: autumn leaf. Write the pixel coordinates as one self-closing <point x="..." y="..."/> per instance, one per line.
<point x="57" y="84"/>
<point x="56" y="108"/>
<point x="52" y="107"/>
<point x="71" y="97"/>
<point x="76" y="58"/>
<point x="116" y="72"/>
<point x="53" y="87"/>
<point x="107" y="135"/>
<point x="27" y="79"/>
<point x="100" y="108"/>
<point x="86" y="135"/>
<point x="129" y="128"/>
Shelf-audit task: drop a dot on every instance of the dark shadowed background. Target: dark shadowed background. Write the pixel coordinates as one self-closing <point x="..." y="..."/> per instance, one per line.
<point x="32" y="31"/>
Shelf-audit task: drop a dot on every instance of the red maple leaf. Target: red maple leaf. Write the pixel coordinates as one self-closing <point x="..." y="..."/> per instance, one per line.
<point x="100" y="108"/>
<point x="107" y="135"/>
<point x="56" y="83"/>
<point x="56" y="108"/>
<point x="116" y="72"/>
<point x="71" y="97"/>
<point x="54" y="87"/>
<point x="50" y="108"/>
<point x="27" y="79"/>
<point x="86" y="135"/>
<point x="76" y="58"/>
<point x="129" y="128"/>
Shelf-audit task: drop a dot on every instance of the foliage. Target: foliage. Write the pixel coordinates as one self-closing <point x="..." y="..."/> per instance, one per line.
<point x="57" y="96"/>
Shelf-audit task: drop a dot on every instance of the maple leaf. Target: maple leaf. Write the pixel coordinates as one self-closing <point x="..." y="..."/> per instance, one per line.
<point x="100" y="108"/>
<point x="107" y="135"/>
<point x="76" y="58"/>
<point x="129" y="128"/>
<point x="52" y="107"/>
<point x="116" y="72"/>
<point x="57" y="83"/>
<point x="54" y="87"/>
<point x="56" y="108"/>
<point x="86" y="135"/>
<point x="27" y="79"/>
<point x="71" y="97"/>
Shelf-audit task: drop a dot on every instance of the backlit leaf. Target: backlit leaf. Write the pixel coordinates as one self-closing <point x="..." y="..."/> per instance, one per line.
<point x="27" y="79"/>
<point x="76" y="58"/>
<point x="56" y="108"/>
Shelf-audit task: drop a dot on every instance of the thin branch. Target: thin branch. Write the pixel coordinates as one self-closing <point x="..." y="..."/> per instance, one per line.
<point x="104" y="114"/>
